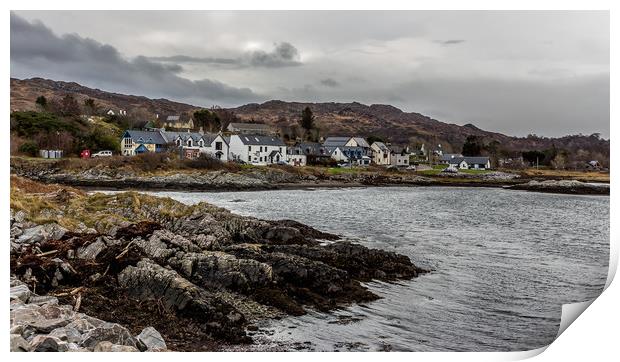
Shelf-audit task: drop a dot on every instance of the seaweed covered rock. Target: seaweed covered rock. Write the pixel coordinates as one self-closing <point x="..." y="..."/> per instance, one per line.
<point x="196" y="273"/>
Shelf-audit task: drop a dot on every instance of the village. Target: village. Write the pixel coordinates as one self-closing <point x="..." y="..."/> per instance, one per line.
<point x="260" y="145"/>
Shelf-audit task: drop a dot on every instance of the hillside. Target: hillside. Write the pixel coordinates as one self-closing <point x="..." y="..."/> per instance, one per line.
<point x="25" y="92"/>
<point x="354" y="118"/>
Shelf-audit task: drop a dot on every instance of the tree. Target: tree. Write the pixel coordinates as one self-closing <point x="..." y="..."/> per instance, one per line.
<point x="372" y="139"/>
<point x="472" y="146"/>
<point x="307" y="119"/>
<point x="91" y="106"/>
<point x="42" y="102"/>
<point x="533" y="157"/>
<point x="29" y="148"/>
<point x="209" y="121"/>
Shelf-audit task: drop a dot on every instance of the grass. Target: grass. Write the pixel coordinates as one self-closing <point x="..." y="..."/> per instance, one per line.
<point x="341" y="170"/>
<point x="589" y="176"/>
<point x="70" y="207"/>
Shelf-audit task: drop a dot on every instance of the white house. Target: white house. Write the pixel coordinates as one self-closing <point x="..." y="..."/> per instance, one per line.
<point x="472" y="163"/>
<point x="296" y="159"/>
<point x="380" y="154"/>
<point x="218" y="146"/>
<point x="257" y="149"/>
<point x="346" y="142"/>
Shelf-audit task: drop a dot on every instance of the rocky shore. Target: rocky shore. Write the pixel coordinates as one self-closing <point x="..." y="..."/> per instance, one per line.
<point x="563" y="187"/>
<point x="198" y="276"/>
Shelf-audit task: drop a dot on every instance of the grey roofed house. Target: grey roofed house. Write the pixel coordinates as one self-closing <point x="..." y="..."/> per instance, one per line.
<point x="481" y="160"/>
<point x="309" y="148"/>
<point x="170" y="136"/>
<point x="260" y="140"/>
<point x="382" y="146"/>
<point x="138" y="136"/>
<point x="361" y="142"/>
<point x="336" y="141"/>
<point x="172" y="118"/>
<point x="449" y="156"/>
<point x="253" y="128"/>
<point x="400" y="150"/>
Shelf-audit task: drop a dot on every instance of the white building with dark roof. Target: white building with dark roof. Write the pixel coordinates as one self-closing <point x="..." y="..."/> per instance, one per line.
<point x="250" y="128"/>
<point x="471" y="163"/>
<point x="257" y="149"/>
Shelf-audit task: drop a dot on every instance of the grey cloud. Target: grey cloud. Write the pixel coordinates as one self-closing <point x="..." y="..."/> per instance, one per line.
<point x="572" y="105"/>
<point x="329" y="82"/>
<point x="283" y="55"/>
<point x="37" y="51"/>
<point x="450" y="41"/>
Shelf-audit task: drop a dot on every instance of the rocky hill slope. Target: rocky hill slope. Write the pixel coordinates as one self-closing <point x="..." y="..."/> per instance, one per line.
<point x="388" y="122"/>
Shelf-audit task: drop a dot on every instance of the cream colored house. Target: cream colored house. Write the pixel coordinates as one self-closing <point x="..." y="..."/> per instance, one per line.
<point x="381" y="154"/>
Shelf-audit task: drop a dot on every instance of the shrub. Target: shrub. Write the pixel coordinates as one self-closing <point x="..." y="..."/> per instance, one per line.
<point x="29" y="148"/>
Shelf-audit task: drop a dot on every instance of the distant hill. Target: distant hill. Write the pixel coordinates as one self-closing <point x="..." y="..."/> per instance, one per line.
<point x="400" y="127"/>
<point x="385" y="121"/>
<point x="25" y="92"/>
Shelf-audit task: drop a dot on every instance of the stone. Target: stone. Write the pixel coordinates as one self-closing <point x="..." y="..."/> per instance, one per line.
<point x="107" y="346"/>
<point x="67" y="334"/>
<point x="21" y="292"/>
<point x="20" y="216"/>
<point x="43" y="299"/>
<point x="91" y="250"/>
<point x="43" y="343"/>
<point x="151" y="339"/>
<point x="48" y="325"/>
<point x="41" y="232"/>
<point x="110" y="332"/>
<point x="19" y="344"/>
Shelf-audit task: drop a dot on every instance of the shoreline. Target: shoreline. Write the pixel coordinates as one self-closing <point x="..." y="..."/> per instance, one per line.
<point x="134" y="185"/>
<point x="200" y="276"/>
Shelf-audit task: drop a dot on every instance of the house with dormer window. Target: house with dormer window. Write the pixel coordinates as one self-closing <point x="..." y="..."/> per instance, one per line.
<point x="257" y="149"/>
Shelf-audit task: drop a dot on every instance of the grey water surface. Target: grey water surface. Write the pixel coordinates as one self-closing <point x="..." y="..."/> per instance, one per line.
<point x="504" y="262"/>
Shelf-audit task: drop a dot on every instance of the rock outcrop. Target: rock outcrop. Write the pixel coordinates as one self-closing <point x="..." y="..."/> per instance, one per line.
<point x="43" y="325"/>
<point x="198" y="274"/>
<point x="563" y="187"/>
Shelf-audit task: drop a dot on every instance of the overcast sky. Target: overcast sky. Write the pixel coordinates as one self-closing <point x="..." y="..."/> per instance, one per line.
<point x="513" y="72"/>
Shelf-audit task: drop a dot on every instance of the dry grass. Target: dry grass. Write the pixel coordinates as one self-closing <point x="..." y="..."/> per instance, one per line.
<point x="590" y="176"/>
<point x="71" y="208"/>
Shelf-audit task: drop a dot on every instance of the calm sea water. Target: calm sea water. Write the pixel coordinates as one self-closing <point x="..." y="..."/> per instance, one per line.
<point x="504" y="263"/>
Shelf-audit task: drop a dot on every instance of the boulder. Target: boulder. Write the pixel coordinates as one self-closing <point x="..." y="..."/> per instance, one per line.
<point x="110" y="332"/>
<point x="43" y="343"/>
<point x="223" y="270"/>
<point x="67" y="334"/>
<point x="21" y="292"/>
<point x="41" y="233"/>
<point x="19" y="344"/>
<point x="42" y="299"/>
<point x="107" y="346"/>
<point x="91" y="250"/>
<point x="150" y="339"/>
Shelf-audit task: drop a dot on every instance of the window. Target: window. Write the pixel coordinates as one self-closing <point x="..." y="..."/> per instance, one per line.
<point x="201" y="143"/>
<point x="218" y="146"/>
<point x="179" y="142"/>
<point x="280" y="149"/>
<point x="261" y="159"/>
<point x="261" y="148"/>
<point x="249" y="148"/>
<point x="189" y="142"/>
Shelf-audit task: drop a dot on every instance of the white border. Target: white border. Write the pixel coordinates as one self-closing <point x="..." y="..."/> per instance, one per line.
<point x="593" y="335"/>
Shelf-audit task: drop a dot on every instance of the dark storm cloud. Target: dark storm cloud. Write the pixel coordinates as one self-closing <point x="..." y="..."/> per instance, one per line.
<point x="329" y="82"/>
<point x="37" y="51"/>
<point x="283" y="55"/>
